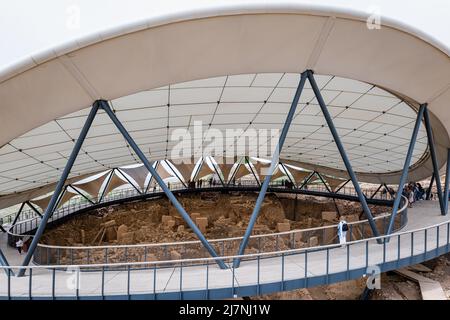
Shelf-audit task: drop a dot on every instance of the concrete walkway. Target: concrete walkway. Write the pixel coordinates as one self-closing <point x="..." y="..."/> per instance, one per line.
<point x="284" y="272"/>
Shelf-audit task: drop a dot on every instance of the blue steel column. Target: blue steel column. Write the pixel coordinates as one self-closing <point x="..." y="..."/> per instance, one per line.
<point x="18" y="214"/>
<point x="404" y="174"/>
<point x="434" y="159"/>
<point x="59" y="187"/>
<point x="447" y="181"/>
<point x="3" y="261"/>
<point x="338" y="142"/>
<point x="105" y="106"/>
<point x="430" y="186"/>
<point x="272" y="167"/>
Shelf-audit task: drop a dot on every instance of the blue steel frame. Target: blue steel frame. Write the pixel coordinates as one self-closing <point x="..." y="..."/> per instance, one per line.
<point x="105" y="106"/>
<point x="341" y="149"/>
<point x="247" y="161"/>
<point x="106" y="185"/>
<point x="272" y="167"/>
<point x="404" y="174"/>
<point x="59" y="187"/>
<point x="176" y="174"/>
<point x="33" y="208"/>
<point x="447" y="181"/>
<point x="430" y="186"/>
<point x="128" y="180"/>
<point x="426" y="117"/>
<point x="443" y="200"/>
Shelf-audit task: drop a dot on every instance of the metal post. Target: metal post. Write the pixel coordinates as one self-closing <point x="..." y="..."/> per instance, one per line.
<point x="447" y="181"/>
<point x="345" y="159"/>
<point x="151" y="177"/>
<point x="176" y="174"/>
<point x="404" y="174"/>
<point x="218" y="174"/>
<point x="233" y="174"/>
<point x="378" y="189"/>
<point x="59" y="187"/>
<point x="434" y="159"/>
<point x="105" y="106"/>
<point x="307" y="180"/>
<point x="273" y="164"/>
<point x="18" y="214"/>
<point x="430" y="187"/>
<point x="33" y="208"/>
<point x="251" y="169"/>
<point x="128" y="180"/>
<point x="81" y="194"/>
<point x="342" y="185"/>
<point x="324" y="183"/>
<point x="106" y="185"/>
<point x="287" y="173"/>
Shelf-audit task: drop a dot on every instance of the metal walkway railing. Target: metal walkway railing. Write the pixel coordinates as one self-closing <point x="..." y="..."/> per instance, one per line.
<point x="324" y="235"/>
<point x="29" y="221"/>
<point x="200" y="278"/>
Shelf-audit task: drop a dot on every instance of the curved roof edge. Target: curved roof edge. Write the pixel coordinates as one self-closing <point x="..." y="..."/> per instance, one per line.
<point x="58" y="50"/>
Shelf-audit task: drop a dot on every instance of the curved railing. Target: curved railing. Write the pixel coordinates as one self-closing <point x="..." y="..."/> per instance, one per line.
<point x="79" y="202"/>
<point x="324" y="235"/>
<point x="260" y="273"/>
<point x="23" y="226"/>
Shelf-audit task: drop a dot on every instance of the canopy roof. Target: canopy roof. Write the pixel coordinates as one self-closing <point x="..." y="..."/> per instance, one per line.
<point x="170" y="71"/>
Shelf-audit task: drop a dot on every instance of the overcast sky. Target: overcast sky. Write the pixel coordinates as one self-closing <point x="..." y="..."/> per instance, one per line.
<point x="28" y="26"/>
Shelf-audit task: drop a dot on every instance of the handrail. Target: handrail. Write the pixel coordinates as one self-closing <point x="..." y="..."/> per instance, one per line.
<point x="250" y="255"/>
<point x="54" y="254"/>
<point x="128" y="191"/>
<point x="312" y="187"/>
<point x="221" y="239"/>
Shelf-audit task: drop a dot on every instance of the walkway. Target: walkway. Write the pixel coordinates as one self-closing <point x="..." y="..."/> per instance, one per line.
<point x="258" y="274"/>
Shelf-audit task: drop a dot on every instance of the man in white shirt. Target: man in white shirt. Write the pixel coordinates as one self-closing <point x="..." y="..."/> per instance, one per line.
<point x="19" y="245"/>
<point x="342" y="229"/>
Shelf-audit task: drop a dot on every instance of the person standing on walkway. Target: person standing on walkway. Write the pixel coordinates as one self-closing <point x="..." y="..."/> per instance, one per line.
<point x="342" y="229"/>
<point x="19" y="245"/>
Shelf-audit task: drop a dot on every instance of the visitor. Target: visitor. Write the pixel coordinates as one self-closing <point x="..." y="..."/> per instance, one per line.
<point x="19" y="245"/>
<point x="421" y="191"/>
<point x="342" y="229"/>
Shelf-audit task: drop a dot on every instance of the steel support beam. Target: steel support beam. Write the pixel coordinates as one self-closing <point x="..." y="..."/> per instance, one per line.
<point x="247" y="161"/>
<point x="392" y="194"/>
<point x="18" y="214"/>
<point x="81" y="194"/>
<point x="151" y="177"/>
<point x="305" y="182"/>
<point x="434" y="159"/>
<point x="176" y="174"/>
<point x="238" y="164"/>
<point x="59" y="187"/>
<point x="343" y="185"/>
<point x="288" y="174"/>
<point x="105" y="106"/>
<point x="447" y="181"/>
<point x="106" y="186"/>
<point x="330" y="191"/>
<point x="376" y="191"/>
<point x="129" y="181"/>
<point x="430" y="186"/>
<point x="324" y="183"/>
<point x="217" y="172"/>
<point x="273" y="164"/>
<point x="341" y="149"/>
<point x="3" y="260"/>
<point x="405" y="170"/>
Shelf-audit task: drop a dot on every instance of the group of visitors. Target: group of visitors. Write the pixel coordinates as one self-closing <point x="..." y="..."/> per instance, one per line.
<point x="413" y="191"/>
